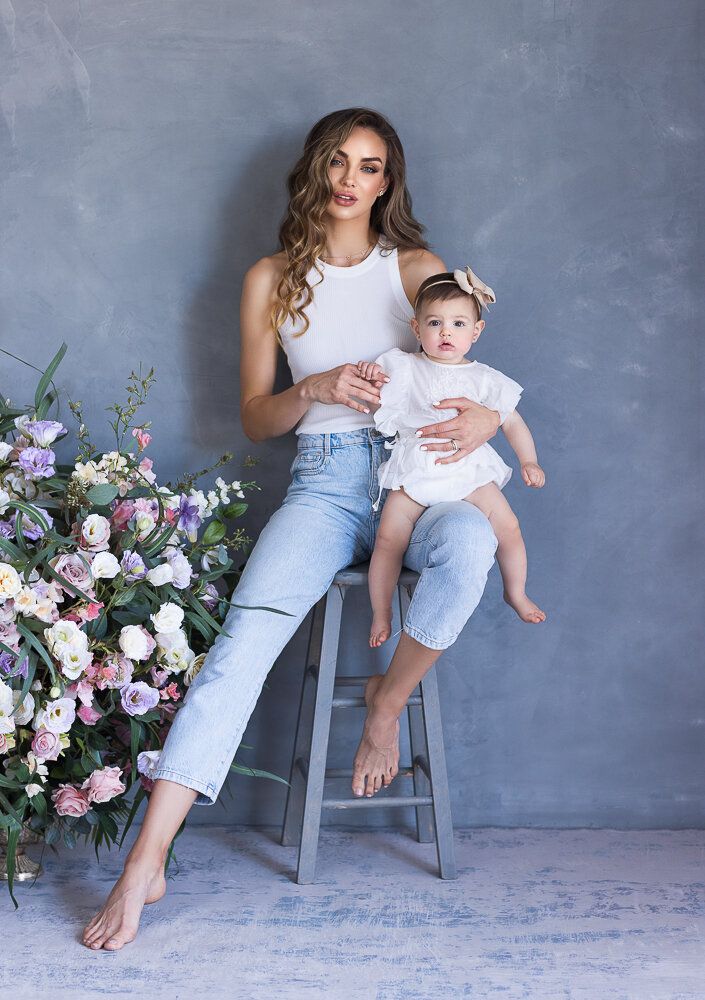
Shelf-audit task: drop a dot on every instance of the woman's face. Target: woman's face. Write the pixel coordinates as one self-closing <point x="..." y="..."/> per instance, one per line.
<point x="356" y="173"/>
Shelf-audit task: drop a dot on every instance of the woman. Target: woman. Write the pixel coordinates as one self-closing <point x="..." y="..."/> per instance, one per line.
<point x="349" y="220"/>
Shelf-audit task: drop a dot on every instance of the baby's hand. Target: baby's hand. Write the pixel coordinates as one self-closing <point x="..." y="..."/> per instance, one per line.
<point x="372" y="373"/>
<point x="533" y="474"/>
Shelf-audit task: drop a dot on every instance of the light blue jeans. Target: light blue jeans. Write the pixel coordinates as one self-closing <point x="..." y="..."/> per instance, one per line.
<point x="325" y="524"/>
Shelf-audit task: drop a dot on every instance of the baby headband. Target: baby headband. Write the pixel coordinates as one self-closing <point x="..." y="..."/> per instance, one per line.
<point x="470" y="283"/>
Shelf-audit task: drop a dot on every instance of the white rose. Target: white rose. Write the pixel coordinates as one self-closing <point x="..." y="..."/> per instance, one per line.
<point x="104" y="566"/>
<point x="25" y="714"/>
<point x="133" y="642"/>
<point x="57" y="717"/>
<point x="169" y="618"/>
<point x="160" y="575"/>
<point x="10" y="582"/>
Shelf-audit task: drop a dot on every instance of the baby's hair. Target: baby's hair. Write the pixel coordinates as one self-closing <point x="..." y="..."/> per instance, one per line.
<point x="442" y="288"/>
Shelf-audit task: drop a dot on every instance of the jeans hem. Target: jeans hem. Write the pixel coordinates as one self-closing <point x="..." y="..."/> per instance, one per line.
<point x="207" y="794"/>
<point x="425" y="640"/>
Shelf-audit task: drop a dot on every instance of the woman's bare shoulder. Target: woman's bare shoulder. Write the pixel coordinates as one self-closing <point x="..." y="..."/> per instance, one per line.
<point x="264" y="275"/>
<point x="417" y="263"/>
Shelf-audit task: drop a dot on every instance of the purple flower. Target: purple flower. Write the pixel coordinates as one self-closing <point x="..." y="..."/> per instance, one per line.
<point x="44" y="432"/>
<point x="31" y="529"/>
<point x="210" y="596"/>
<point x="7" y="529"/>
<point x="132" y="565"/>
<point x="8" y="668"/>
<point x="138" y="698"/>
<point x="37" y="463"/>
<point x="189" y="518"/>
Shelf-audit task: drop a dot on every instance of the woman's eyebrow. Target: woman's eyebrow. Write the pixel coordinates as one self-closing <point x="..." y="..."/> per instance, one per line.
<point x="364" y="158"/>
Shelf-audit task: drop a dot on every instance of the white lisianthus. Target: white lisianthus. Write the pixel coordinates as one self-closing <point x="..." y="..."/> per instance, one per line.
<point x="5" y="450"/>
<point x="191" y="671"/>
<point x="26" y="713"/>
<point x="169" y="618"/>
<point x="74" y="661"/>
<point x="104" y="566"/>
<point x="33" y="789"/>
<point x="148" y="762"/>
<point x="133" y="642"/>
<point x="160" y="575"/>
<point x="95" y="532"/>
<point x="7" y="704"/>
<point x="57" y="717"/>
<point x="65" y="633"/>
<point x="173" y="651"/>
<point x="10" y="582"/>
<point x="181" y="566"/>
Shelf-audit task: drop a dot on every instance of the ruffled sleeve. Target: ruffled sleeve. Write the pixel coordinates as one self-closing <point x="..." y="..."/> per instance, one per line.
<point x="394" y="395"/>
<point x="500" y="393"/>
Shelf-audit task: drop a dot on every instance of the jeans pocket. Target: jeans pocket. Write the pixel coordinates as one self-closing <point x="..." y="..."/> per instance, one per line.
<point x="308" y="462"/>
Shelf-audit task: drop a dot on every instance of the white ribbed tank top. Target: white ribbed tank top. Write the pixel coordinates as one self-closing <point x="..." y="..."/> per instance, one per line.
<point x="357" y="313"/>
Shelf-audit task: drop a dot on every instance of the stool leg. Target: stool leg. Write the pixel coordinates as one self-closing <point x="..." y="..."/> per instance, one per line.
<point x="319" y="739"/>
<point x="291" y="828"/>
<point x="417" y="743"/>
<point x="439" y="775"/>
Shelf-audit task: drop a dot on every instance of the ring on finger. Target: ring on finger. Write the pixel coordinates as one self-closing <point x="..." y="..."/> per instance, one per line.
<point x="456" y="446"/>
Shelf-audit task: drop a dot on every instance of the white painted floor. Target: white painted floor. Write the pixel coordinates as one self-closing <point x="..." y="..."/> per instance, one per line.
<point x="589" y="914"/>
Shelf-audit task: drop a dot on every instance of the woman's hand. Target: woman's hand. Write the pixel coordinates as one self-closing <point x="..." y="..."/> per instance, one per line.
<point x="472" y="427"/>
<point x="340" y="384"/>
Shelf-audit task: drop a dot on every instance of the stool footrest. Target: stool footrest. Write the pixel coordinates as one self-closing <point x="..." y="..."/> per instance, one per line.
<point x="377" y="800"/>
<point x="340" y="772"/>
<point x="360" y="702"/>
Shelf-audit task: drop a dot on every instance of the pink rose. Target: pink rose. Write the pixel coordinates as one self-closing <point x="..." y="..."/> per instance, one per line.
<point x="103" y="784"/>
<point x="70" y="801"/>
<point x="72" y="568"/>
<point x="46" y="745"/>
<point x="88" y="715"/>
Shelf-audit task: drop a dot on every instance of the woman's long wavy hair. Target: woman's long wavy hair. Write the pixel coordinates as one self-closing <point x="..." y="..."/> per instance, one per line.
<point x="302" y="235"/>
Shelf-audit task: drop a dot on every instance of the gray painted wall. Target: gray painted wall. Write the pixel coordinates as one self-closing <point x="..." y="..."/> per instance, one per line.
<point x="552" y="144"/>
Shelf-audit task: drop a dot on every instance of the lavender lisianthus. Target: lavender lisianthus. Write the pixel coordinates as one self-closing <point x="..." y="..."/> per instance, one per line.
<point x="37" y="463"/>
<point x="31" y="529"/>
<point x="9" y="668"/>
<point x="7" y="529"/>
<point x="43" y="432"/>
<point x="137" y="698"/>
<point x="132" y="565"/>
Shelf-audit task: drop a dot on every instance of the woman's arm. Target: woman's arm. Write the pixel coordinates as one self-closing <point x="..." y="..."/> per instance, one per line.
<point x="265" y="414"/>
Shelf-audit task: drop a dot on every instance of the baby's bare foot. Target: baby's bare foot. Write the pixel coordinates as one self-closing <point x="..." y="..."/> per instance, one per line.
<point x="117" y="922"/>
<point x="377" y="758"/>
<point x="381" y="628"/>
<point x="525" y="608"/>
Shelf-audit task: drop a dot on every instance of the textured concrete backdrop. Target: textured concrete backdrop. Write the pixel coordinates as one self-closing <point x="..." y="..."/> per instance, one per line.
<point x="551" y="143"/>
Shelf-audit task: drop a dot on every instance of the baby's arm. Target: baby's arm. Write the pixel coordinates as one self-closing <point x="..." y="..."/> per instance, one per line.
<point x="519" y="437"/>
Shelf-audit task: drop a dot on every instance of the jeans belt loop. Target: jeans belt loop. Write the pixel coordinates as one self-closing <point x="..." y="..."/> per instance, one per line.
<point x="326" y="444"/>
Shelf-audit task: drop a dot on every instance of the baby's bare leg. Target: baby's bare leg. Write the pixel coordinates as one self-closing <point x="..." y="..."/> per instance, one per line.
<point x="399" y="515"/>
<point x="511" y="552"/>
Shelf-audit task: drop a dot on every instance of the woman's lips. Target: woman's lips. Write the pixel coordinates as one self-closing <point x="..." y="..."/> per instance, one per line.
<point x="344" y="199"/>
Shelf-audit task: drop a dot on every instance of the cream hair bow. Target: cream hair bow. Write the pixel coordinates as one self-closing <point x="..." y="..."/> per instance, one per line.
<point x="471" y="284"/>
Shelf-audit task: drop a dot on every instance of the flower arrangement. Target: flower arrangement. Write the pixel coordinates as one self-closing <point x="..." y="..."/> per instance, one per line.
<point x="108" y="604"/>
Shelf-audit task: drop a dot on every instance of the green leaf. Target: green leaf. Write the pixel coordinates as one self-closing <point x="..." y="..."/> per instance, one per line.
<point x="133" y="812"/>
<point x="136" y="732"/>
<point x="33" y="641"/>
<point x="254" y="772"/>
<point x="124" y="596"/>
<point x="234" y="510"/>
<point x="10" y="854"/>
<point x="48" y="374"/>
<point x="102" y="494"/>
<point x="213" y="533"/>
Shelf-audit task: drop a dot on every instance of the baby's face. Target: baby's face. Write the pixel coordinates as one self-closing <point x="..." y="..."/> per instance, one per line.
<point x="447" y="330"/>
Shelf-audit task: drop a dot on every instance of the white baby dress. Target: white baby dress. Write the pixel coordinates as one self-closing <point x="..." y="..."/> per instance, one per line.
<point x="406" y="404"/>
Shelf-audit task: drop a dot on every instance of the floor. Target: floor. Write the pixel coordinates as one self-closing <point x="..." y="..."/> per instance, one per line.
<point x="589" y="914"/>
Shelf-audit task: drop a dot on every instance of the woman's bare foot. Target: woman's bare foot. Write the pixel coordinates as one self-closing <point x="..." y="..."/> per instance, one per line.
<point x="377" y="758"/>
<point x="117" y="922"/>
<point x="525" y="608"/>
<point x="381" y="628"/>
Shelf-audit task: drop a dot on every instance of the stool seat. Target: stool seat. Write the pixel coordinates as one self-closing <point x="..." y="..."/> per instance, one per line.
<point x="427" y="769"/>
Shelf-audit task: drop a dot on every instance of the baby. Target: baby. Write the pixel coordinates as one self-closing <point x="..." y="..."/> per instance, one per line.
<point x="447" y="321"/>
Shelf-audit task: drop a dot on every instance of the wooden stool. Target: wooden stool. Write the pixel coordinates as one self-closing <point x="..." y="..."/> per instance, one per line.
<point x="305" y="799"/>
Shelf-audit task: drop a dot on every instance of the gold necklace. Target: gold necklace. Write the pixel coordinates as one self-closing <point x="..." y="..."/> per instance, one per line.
<point x="349" y="256"/>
